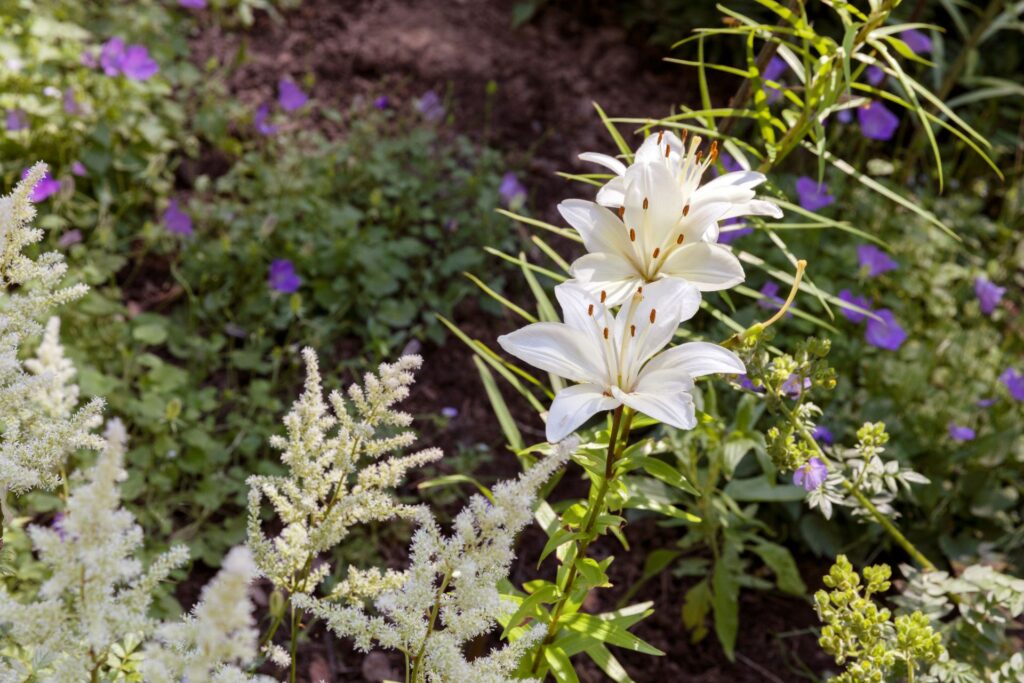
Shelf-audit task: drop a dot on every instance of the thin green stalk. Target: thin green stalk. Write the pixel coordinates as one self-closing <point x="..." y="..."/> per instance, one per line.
<point x="294" y="643"/>
<point x="618" y="425"/>
<point x="434" y="611"/>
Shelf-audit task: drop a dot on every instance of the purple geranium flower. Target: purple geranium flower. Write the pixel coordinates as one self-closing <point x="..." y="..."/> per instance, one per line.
<point x="917" y="41"/>
<point x="382" y="102"/>
<point x="729" y="236"/>
<point x="78" y="169"/>
<point x="771" y="301"/>
<point x="989" y="294"/>
<point x="58" y="525"/>
<point x="773" y="72"/>
<point x="71" y="106"/>
<point x="857" y="300"/>
<point x="958" y="433"/>
<point x="793" y="387"/>
<point x="812" y="195"/>
<point x="282" y="276"/>
<point x="450" y="412"/>
<point x="69" y="238"/>
<point x="885" y="332"/>
<point x="16" y="120"/>
<point x="874" y="260"/>
<point x="822" y="434"/>
<point x="877" y="122"/>
<point x="744" y="381"/>
<point x="1014" y="381"/>
<point x="511" y="190"/>
<point x="985" y="402"/>
<point x="874" y="75"/>
<point x="177" y="221"/>
<point x="131" y="61"/>
<point x="811" y="475"/>
<point x="844" y="115"/>
<point x="46" y="187"/>
<point x="289" y="95"/>
<point x="430" y="106"/>
<point x="192" y="4"/>
<point x="263" y="126"/>
<point x="111" y="55"/>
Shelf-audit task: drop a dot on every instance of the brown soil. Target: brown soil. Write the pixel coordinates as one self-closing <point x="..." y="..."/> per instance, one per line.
<point x="541" y="115"/>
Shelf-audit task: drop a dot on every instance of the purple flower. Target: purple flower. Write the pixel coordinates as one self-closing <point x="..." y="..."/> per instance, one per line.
<point x="811" y="475"/>
<point x="857" y="300"/>
<point x="137" y="65"/>
<point x="430" y="106"/>
<point x="71" y="106"/>
<point x="874" y="260"/>
<point x="177" y="221"/>
<point x="192" y="4"/>
<point x="263" y="126"/>
<point x="885" y="333"/>
<point x="822" y="434"/>
<point x="111" y="55"/>
<point x="289" y="95"/>
<point x="16" y="120"/>
<point x="985" y="402"/>
<point x="874" y="74"/>
<point x="917" y="41"/>
<point x="88" y="60"/>
<point x="131" y="61"/>
<point x="69" y="238"/>
<point x="772" y="72"/>
<point x="958" y="433"/>
<point x="450" y="412"/>
<point x="877" y="122"/>
<point x="78" y="169"/>
<point x="812" y="195"/>
<point x="511" y="190"/>
<point x="771" y="300"/>
<point x="745" y="382"/>
<point x="793" y="387"/>
<point x="1014" y="381"/>
<point x="729" y="236"/>
<point x="382" y="102"/>
<point x="989" y="294"/>
<point x="282" y="276"/>
<point x="46" y="187"/>
<point x="844" y="115"/>
<point x="58" y="525"/>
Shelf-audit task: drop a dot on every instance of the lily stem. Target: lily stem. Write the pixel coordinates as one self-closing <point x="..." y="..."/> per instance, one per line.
<point x="593" y="513"/>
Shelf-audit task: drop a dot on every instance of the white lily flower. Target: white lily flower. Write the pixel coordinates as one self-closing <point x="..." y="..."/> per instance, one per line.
<point x="666" y="223"/>
<point x="616" y="359"/>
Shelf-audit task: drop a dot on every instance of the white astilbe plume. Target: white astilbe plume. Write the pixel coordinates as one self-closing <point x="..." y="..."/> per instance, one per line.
<point x="37" y="439"/>
<point x="60" y="396"/>
<point x="217" y="639"/>
<point x="97" y="593"/>
<point x="334" y="481"/>
<point x="449" y="595"/>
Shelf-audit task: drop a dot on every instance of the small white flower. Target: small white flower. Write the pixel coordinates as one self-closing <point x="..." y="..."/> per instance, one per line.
<point x="666" y="223"/>
<point x="616" y="359"/>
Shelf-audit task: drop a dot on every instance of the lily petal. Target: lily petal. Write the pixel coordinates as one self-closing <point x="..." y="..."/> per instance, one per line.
<point x="695" y="359"/>
<point x="669" y="301"/>
<point x="651" y="150"/>
<point x="710" y="267"/>
<point x="609" y="162"/>
<point x="755" y="207"/>
<point x="557" y="348"/>
<point x="600" y="229"/>
<point x="581" y="309"/>
<point x="747" y="180"/>
<point x="653" y="184"/>
<point x="675" y="409"/>
<point x="613" y="193"/>
<point x="616" y="276"/>
<point x="575" y="405"/>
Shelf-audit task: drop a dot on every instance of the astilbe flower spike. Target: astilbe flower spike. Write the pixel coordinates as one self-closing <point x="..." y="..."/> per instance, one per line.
<point x="37" y="439"/>
<point x="448" y="596"/>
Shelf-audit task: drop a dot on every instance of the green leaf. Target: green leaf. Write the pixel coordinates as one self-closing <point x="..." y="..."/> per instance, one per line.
<point x="561" y="667"/>
<point x="760" y="490"/>
<point x="725" y="590"/>
<point x="620" y="142"/>
<point x="660" y="469"/>
<point x="450" y="479"/>
<point x="529" y="607"/>
<point x="603" y="657"/>
<point x="696" y="605"/>
<point x="780" y="561"/>
<point x="501" y="411"/>
<point x="150" y="333"/>
<point x="609" y="632"/>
